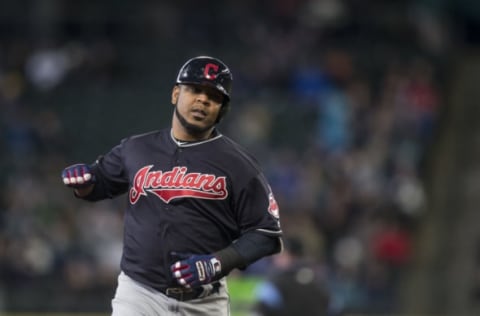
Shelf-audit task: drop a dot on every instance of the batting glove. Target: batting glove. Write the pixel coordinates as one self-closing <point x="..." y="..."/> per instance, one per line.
<point x="78" y="176"/>
<point x="195" y="270"/>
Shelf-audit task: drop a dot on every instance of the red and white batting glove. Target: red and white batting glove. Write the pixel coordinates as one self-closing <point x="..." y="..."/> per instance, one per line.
<point x="78" y="176"/>
<point x="195" y="270"/>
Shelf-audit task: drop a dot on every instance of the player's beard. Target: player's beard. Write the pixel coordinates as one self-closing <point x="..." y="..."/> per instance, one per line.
<point x="192" y="129"/>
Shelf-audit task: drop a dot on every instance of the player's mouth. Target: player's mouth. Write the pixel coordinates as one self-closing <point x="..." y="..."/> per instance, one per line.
<point x="199" y="114"/>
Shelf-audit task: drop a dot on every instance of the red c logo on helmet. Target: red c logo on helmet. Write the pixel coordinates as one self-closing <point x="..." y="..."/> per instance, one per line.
<point x="209" y="67"/>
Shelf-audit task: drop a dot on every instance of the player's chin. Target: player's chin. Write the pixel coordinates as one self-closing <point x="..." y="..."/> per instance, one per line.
<point x="205" y="122"/>
<point x="199" y="126"/>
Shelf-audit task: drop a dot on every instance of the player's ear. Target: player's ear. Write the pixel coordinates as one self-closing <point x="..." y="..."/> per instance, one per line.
<point x="175" y="93"/>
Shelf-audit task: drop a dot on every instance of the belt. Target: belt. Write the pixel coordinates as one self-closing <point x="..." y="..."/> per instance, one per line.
<point x="186" y="294"/>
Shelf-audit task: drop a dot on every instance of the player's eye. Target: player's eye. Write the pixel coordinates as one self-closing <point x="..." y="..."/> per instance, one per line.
<point x="212" y="94"/>
<point x="215" y="97"/>
<point x="196" y="89"/>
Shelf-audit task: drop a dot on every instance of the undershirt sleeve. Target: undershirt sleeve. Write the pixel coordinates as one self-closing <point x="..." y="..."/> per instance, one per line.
<point x="249" y="248"/>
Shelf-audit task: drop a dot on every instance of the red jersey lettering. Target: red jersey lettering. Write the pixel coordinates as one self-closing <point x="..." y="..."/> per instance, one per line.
<point x="177" y="183"/>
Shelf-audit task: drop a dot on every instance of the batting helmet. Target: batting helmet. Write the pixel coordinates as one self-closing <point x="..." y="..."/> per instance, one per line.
<point x="205" y="70"/>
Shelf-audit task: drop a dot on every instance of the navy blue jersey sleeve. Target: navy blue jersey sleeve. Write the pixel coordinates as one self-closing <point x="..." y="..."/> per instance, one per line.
<point x="111" y="176"/>
<point x="257" y="208"/>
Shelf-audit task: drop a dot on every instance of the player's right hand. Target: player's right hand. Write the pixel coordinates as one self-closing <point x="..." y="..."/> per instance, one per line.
<point x="195" y="270"/>
<point x="78" y="176"/>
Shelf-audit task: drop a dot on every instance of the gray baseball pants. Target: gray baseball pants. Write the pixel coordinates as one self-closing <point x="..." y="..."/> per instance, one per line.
<point x="136" y="299"/>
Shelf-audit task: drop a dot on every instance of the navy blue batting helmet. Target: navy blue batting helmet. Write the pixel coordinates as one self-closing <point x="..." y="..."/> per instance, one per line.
<point x="209" y="71"/>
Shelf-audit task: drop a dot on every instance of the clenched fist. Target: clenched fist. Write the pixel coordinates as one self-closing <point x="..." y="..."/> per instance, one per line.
<point x="195" y="270"/>
<point x="78" y="176"/>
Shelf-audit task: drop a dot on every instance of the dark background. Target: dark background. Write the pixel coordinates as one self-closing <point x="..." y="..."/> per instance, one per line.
<point x="348" y="106"/>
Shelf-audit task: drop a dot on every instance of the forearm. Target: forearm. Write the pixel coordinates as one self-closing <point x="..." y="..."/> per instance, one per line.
<point x="249" y="248"/>
<point x="195" y="270"/>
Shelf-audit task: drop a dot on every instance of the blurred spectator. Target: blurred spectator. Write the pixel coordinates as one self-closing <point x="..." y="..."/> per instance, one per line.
<point x="46" y="68"/>
<point x="294" y="285"/>
<point x="391" y="247"/>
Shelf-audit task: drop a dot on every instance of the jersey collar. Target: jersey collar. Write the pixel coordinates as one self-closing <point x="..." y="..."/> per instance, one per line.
<point x="179" y="143"/>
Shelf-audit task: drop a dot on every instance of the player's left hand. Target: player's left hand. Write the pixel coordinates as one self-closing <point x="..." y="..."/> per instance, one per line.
<point x="195" y="270"/>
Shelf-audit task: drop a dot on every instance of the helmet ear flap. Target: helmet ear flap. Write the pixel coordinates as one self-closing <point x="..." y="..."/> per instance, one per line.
<point x="223" y="111"/>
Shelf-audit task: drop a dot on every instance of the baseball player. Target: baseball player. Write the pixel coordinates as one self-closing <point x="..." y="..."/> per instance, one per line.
<point x="198" y="205"/>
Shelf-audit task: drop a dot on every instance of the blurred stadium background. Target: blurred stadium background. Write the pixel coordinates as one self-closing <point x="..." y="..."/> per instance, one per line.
<point x="364" y="114"/>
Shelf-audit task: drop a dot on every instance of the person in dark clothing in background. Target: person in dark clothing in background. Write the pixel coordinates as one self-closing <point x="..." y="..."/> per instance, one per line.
<point x="294" y="287"/>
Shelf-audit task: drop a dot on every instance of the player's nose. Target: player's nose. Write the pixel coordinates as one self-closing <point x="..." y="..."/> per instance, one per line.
<point x="203" y="98"/>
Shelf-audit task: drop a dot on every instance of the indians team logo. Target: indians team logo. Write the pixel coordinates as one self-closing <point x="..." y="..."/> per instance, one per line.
<point x="177" y="183"/>
<point x="273" y="206"/>
<point x="210" y="71"/>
